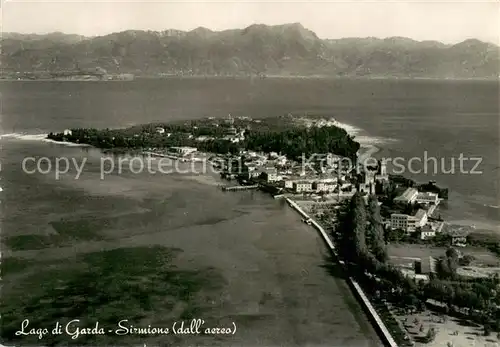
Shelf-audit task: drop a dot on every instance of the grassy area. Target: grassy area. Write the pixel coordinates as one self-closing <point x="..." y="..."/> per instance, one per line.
<point x="482" y="255"/>
<point x="138" y="284"/>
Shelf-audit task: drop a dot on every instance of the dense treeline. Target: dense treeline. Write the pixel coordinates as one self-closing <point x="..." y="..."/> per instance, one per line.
<point x="359" y="234"/>
<point x="294" y="142"/>
<point x="115" y="139"/>
<point x="304" y="141"/>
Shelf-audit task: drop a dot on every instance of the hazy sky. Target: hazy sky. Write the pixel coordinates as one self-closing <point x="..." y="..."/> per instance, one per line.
<point x="446" y="21"/>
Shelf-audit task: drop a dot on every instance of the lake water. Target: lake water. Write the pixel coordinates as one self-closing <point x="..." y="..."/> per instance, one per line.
<point x="263" y="269"/>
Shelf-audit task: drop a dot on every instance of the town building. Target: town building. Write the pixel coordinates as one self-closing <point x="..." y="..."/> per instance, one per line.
<point x="184" y="150"/>
<point x="339" y="175"/>
<point x="459" y="237"/>
<point x="382" y="175"/>
<point x="289" y="183"/>
<point x="67" y="132"/>
<point x="302" y="187"/>
<point x="236" y="137"/>
<point x="425" y="266"/>
<point x="204" y="138"/>
<point x="160" y="130"/>
<point x="230" y="120"/>
<point x="270" y="175"/>
<point x="408" y="196"/>
<point x="416" y="277"/>
<point x="249" y="166"/>
<point x="430" y="230"/>
<point x="346" y="186"/>
<point x="253" y="174"/>
<point x="281" y="160"/>
<point x="333" y="160"/>
<point x="427" y="198"/>
<point x="252" y="170"/>
<point x="427" y="232"/>
<point x="324" y="186"/>
<point x="368" y="183"/>
<point x="408" y="223"/>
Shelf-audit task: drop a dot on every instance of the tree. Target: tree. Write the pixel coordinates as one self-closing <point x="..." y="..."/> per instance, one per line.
<point x="487" y="330"/>
<point x="376" y="230"/>
<point x="359" y="218"/>
<point x="431" y="335"/>
<point x="411" y="300"/>
<point x="466" y="260"/>
<point x="443" y="268"/>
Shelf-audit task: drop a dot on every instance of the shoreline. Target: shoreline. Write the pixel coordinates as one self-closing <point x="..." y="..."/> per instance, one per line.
<point x="357" y="291"/>
<point x="43" y="138"/>
<point x="368" y="152"/>
<point x="271" y="76"/>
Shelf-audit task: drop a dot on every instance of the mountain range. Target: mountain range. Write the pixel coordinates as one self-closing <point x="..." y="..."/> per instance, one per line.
<point x="283" y="50"/>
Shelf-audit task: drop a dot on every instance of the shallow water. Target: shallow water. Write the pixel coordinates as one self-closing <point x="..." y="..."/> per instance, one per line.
<point x="265" y="267"/>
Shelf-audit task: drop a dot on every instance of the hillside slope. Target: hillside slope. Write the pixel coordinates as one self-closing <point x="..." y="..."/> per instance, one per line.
<point x="288" y="49"/>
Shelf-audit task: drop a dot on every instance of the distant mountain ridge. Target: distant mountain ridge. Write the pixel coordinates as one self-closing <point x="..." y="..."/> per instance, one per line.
<point x="284" y="50"/>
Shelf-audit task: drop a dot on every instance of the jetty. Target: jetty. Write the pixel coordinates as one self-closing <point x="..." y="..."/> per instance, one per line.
<point x="233" y="188"/>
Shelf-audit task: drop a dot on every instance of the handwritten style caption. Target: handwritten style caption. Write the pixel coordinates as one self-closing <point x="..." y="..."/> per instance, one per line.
<point x="75" y="330"/>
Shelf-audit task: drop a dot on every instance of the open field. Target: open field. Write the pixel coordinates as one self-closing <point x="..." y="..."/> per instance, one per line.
<point x="459" y="333"/>
<point x="483" y="257"/>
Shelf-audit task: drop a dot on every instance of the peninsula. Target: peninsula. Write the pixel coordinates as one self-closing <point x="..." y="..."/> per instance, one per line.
<point x="410" y="262"/>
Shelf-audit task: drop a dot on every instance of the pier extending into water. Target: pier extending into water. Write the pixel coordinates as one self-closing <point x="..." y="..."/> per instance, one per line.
<point x="356" y="288"/>
<point x="233" y="188"/>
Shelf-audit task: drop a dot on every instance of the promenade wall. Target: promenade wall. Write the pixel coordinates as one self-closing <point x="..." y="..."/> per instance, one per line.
<point x="356" y="288"/>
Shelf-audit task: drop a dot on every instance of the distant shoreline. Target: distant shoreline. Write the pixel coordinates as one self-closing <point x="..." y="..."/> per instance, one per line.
<point x="308" y="77"/>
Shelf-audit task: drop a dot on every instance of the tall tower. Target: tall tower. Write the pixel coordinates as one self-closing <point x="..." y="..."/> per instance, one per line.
<point x="230" y="121"/>
<point x="383" y="168"/>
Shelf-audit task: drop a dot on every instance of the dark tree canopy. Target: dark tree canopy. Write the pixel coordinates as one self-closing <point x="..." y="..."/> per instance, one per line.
<point x="269" y="135"/>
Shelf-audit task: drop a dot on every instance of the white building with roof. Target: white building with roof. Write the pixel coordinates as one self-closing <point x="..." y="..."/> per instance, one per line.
<point x="408" y="196"/>
<point x="289" y="182"/>
<point x="271" y="174"/>
<point x="303" y="186"/>
<point x="324" y="186"/>
<point x="427" y="232"/>
<point x="204" y="138"/>
<point x="427" y="198"/>
<point x="184" y="150"/>
<point x="409" y="223"/>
